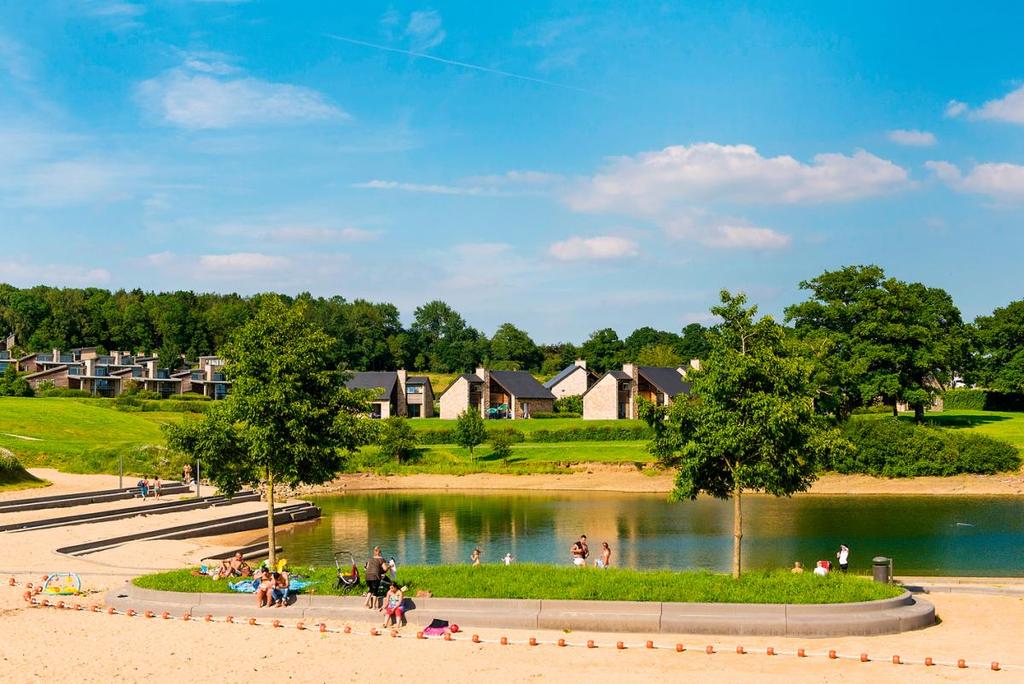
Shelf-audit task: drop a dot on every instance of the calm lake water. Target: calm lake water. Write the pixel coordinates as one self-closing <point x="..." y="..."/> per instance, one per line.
<point x="962" y="535"/>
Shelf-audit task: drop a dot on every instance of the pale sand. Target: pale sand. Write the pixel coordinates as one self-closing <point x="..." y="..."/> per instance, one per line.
<point x="47" y="645"/>
<point x="609" y="478"/>
<point x="66" y="646"/>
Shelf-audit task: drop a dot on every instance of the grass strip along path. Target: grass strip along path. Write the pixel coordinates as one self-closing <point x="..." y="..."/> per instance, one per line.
<point x="548" y="582"/>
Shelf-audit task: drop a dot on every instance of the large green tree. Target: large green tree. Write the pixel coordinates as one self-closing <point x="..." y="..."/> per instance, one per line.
<point x="999" y="339"/>
<point x="880" y="338"/>
<point x="603" y="351"/>
<point x="288" y="419"/>
<point x="470" y="431"/>
<point x="513" y="345"/>
<point x="749" y="423"/>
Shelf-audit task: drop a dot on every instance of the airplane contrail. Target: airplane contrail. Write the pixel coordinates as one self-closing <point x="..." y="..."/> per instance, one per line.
<point x="464" y="65"/>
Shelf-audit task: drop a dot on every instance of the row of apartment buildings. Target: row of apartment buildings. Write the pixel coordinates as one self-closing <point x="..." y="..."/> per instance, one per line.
<point x="518" y="395"/>
<point x="109" y="375"/>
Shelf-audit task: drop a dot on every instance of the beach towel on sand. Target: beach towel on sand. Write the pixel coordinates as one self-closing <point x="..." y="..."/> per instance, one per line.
<point x="248" y="586"/>
<point x="436" y="627"/>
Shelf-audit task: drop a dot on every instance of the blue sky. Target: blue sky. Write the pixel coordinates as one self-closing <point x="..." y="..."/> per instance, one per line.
<point x="563" y="166"/>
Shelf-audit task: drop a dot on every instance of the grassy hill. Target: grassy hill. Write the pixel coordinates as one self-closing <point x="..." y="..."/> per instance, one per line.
<point x="89" y="436"/>
<point x="81" y="436"/>
<point x="14" y="476"/>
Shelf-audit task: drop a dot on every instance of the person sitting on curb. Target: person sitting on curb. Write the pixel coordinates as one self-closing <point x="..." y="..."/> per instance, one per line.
<point x="264" y="583"/>
<point x="394" y="612"/>
<point x="282" y="583"/>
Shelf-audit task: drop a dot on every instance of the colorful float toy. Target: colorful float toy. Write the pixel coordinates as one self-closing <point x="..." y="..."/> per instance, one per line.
<point x="63" y="584"/>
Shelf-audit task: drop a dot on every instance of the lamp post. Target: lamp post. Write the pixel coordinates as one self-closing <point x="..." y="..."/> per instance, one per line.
<point x="120" y="471"/>
<point x="197" y="478"/>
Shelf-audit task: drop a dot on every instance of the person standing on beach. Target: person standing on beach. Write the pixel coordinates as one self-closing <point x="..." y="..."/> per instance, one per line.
<point x="606" y="556"/>
<point x="475" y="558"/>
<point x="156" y="486"/>
<point x="843" y="555"/>
<point x="376" y="568"/>
<point x="579" y="552"/>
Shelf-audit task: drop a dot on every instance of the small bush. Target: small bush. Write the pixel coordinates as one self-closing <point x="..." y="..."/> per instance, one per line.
<point x="964" y="400"/>
<point x="12" y="472"/>
<point x="893" y="448"/>
<point x="548" y="414"/>
<point x="64" y="393"/>
<point x="569" y="405"/>
<point x="593" y="433"/>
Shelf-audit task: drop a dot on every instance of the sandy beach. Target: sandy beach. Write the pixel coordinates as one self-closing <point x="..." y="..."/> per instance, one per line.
<point x="608" y="478"/>
<point x="51" y="645"/>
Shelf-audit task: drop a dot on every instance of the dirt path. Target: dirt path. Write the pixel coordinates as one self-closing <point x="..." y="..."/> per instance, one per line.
<point x="608" y="478"/>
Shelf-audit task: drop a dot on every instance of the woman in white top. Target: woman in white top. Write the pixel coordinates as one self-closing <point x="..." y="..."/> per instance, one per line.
<point x="844" y="557"/>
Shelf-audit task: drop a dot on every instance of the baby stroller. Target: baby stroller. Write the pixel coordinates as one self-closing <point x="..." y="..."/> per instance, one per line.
<point x="347" y="581"/>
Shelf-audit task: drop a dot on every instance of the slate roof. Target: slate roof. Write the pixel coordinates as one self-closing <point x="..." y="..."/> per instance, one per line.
<point x="617" y="374"/>
<point x="668" y="380"/>
<point x="375" y="380"/>
<point x="521" y="385"/>
<point x="417" y="380"/>
<point x="563" y="374"/>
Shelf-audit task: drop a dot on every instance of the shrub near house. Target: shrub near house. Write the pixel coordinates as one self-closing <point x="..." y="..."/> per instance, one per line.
<point x="893" y="448"/>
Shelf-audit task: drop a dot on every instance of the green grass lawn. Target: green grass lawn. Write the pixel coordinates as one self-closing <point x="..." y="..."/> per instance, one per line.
<point x="88" y="436"/>
<point x="548" y="582"/>
<point x="426" y="424"/>
<point x="1006" y="426"/>
<point x="84" y="436"/>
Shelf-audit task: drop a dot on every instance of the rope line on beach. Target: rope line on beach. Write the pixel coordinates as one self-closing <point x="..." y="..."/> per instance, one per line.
<point x="33" y="598"/>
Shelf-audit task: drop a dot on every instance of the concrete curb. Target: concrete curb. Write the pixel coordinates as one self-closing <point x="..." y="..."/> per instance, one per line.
<point x="889" y="616"/>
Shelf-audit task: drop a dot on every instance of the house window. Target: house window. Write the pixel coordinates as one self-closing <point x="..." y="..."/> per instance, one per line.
<point x="414" y="389"/>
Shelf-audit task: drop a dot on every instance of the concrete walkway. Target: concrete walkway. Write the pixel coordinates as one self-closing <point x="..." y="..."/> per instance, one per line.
<point x="890" y="616"/>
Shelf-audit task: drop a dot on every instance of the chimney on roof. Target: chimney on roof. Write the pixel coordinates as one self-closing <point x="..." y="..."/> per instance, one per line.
<point x="582" y="363"/>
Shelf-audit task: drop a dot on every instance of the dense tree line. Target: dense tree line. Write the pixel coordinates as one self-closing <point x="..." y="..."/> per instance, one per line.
<point x="873" y="336"/>
<point x="367" y="335"/>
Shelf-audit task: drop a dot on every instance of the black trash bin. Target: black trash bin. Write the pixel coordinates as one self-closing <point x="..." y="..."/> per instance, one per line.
<point x="882" y="569"/>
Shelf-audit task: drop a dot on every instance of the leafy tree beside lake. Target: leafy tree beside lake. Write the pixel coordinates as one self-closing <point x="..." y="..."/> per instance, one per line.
<point x="749" y="423"/>
<point x="501" y="444"/>
<point x="1000" y="346"/>
<point x="470" y="431"/>
<point x="397" y="439"/>
<point x="882" y="338"/>
<point x="287" y="419"/>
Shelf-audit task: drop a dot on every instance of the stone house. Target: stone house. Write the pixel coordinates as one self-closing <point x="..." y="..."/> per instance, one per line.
<point x="109" y="375"/>
<point x="572" y="380"/>
<point x="401" y="394"/>
<point x="496" y="394"/>
<point x="617" y="393"/>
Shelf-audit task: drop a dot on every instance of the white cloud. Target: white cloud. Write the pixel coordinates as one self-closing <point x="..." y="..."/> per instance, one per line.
<point x="74" y="182"/>
<point x="200" y="96"/>
<point x="1000" y="181"/>
<point x="1009" y="108"/>
<point x="424" y="30"/>
<point x="24" y="273"/>
<point x="321" y="234"/>
<point x="425" y="188"/>
<point x="722" y="233"/>
<point x="955" y="108"/>
<point x="912" y="138"/>
<point x="594" y="248"/>
<point x="160" y="258"/>
<point x="708" y="172"/>
<point x="241" y="262"/>
<point x="209" y="62"/>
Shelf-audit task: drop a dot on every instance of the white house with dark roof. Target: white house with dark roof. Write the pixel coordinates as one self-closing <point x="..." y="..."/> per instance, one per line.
<point x="571" y="381"/>
<point x="401" y="394"/>
<point x="496" y="394"/>
<point x="616" y="394"/>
